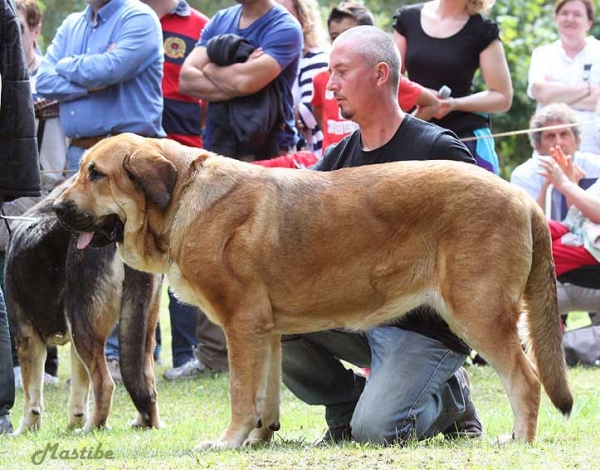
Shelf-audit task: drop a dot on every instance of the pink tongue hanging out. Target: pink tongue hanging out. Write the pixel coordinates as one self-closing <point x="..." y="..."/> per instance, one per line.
<point x="84" y="239"/>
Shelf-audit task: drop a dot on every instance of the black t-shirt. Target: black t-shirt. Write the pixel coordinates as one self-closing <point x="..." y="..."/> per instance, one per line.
<point x="414" y="140"/>
<point x="452" y="61"/>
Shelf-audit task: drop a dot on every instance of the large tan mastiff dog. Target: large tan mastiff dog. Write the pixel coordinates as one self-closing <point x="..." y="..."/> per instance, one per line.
<point x="271" y="251"/>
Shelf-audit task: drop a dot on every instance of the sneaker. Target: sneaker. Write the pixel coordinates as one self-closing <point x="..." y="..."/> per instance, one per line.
<point x="5" y="425"/>
<point x="469" y="425"/>
<point x="115" y="370"/>
<point x="48" y="379"/>
<point x="334" y="436"/>
<point x="189" y="370"/>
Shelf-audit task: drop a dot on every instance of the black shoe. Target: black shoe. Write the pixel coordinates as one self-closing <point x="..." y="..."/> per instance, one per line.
<point x="5" y="425"/>
<point x="468" y="426"/>
<point x="335" y="436"/>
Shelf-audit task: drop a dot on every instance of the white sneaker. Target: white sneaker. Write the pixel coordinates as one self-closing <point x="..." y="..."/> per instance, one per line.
<point x="189" y="370"/>
<point x="48" y="379"/>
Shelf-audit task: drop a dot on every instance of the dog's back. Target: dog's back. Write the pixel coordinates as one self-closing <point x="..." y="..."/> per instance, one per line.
<point x="35" y="271"/>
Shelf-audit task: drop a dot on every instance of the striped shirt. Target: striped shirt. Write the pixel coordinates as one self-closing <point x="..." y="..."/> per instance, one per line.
<point x="314" y="61"/>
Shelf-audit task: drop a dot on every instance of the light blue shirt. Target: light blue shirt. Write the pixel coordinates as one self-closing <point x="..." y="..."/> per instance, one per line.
<point x="79" y="59"/>
<point x="526" y="175"/>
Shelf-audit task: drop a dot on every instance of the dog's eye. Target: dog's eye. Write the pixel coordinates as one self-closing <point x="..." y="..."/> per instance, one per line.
<point x="95" y="174"/>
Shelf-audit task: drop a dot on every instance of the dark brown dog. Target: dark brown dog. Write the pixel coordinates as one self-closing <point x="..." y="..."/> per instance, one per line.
<point x="271" y="251"/>
<point x="56" y="293"/>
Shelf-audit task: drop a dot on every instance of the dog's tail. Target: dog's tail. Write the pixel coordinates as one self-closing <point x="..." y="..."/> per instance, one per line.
<point x="137" y="324"/>
<point x="545" y="333"/>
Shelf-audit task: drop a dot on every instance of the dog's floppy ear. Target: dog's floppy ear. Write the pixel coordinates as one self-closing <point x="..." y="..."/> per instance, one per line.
<point x="154" y="174"/>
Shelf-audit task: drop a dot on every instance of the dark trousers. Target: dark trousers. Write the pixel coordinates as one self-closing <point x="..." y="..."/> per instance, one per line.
<point x="7" y="376"/>
<point x="190" y="327"/>
<point x="184" y="319"/>
<point x="212" y="345"/>
<point x="111" y="349"/>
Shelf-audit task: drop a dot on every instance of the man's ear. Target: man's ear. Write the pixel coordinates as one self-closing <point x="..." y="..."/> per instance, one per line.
<point x="382" y="71"/>
<point x="153" y="174"/>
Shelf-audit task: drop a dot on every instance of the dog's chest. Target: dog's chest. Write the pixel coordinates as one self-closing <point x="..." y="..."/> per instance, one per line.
<point x="186" y="292"/>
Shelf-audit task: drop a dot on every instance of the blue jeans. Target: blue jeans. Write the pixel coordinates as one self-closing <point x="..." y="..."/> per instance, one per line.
<point x="414" y="391"/>
<point x="7" y="377"/>
<point x="74" y="155"/>
<point x="184" y="319"/>
<point x="111" y="349"/>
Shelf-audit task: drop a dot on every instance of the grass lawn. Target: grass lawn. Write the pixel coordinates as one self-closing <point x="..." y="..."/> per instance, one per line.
<point x="198" y="410"/>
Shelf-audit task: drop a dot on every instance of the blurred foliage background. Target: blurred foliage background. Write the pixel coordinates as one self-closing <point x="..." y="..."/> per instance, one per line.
<point x="524" y="25"/>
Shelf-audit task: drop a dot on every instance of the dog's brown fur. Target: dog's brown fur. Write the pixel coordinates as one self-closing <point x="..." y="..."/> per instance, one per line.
<point x="271" y="251"/>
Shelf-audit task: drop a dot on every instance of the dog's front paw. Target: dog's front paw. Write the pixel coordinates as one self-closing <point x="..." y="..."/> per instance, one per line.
<point x="211" y="445"/>
<point x="506" y="439"/>
<point x="29" y="423"/>
<point x="220" y="444"/>
<point x="259" y="436"/>
<point x="25" y="430"/>
<point x="141" y="423"/>
<point x="77" y="421"/>
<point x="89" y="427"/>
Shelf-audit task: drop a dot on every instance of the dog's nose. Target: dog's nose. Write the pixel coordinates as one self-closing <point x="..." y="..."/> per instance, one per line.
<point x="59" y="207"/>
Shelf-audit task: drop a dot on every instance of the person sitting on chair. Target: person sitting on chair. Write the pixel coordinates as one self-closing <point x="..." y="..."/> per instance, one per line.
<point x="575" y="240"/>
<point x="577" y="164"/>
<point x="572" y="295"/>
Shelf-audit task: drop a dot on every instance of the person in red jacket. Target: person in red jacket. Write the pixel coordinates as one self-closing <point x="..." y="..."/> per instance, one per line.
<point x="182" y="25"/>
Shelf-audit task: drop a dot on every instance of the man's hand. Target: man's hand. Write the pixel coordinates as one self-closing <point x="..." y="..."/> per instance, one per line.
<point x="90" y="90"/>
<point x="572" y="171"/>
<point x="552" y="171"/>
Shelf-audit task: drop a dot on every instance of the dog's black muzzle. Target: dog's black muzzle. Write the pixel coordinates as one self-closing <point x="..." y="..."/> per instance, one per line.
<point x="106" y="230"/>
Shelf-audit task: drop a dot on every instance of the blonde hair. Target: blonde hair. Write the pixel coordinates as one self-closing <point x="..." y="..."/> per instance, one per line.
<point x="477" y="6"/>
<point x="309" y="16"/>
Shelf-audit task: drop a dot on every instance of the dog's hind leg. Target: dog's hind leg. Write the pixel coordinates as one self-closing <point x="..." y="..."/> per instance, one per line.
<point x="495" y="336"/>
<point x="79" y="395"/>
<point x="89" y="335"/>
<point x="268" y="399"/>
<point x="92" y="317"/>
<point x="139" y="316"/>
<point x="31" y="350"/>
<point x="91" y="353"/>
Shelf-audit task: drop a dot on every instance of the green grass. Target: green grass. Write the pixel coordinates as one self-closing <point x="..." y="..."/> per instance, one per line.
<point x="198" y="410"/>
